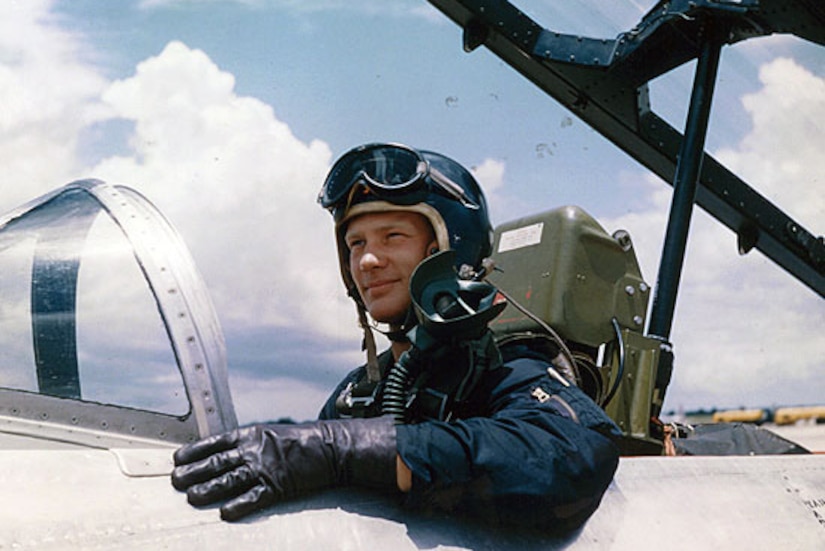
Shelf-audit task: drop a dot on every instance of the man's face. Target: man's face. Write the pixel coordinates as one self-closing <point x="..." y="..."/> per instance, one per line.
<point x="384" y="249"/>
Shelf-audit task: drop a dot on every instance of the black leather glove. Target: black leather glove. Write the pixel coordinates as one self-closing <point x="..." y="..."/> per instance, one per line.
<point x="255" y="467"/>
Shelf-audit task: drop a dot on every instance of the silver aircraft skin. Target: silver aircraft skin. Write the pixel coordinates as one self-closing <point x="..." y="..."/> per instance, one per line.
<point x="88" y="423"/>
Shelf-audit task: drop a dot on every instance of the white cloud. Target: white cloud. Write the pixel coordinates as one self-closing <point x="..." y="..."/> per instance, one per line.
<point x="782" y="156"/>
<point x="742" y="324"/>
<point x="240" y="187"/>
<point x="233" y="178"/>
<point x="47" y="95"/>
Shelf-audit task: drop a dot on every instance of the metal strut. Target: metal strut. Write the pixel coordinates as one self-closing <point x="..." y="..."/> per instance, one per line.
<point x="685" y="183"/>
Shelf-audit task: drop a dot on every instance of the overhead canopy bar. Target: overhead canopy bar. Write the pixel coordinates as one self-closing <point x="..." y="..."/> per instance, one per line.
<point x="604" y="82"/>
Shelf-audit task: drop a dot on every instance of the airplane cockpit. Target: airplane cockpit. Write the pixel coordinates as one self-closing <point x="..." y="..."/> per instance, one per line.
<point x="112" y="355"/>
<point x="108" y="337"/>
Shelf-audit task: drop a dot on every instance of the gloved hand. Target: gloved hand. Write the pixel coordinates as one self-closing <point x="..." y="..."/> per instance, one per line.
<point x="255" y="467"/>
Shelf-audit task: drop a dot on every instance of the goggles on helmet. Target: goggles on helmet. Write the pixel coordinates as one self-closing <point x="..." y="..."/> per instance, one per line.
<point x="392" y="172"/>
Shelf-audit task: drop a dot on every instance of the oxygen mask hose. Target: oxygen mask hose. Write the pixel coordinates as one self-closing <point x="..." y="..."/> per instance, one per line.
<point x="411" y="367"/>
<point x="408" y="367"/>
<point x="398" y="383"/>
<point x="449" y="311"/>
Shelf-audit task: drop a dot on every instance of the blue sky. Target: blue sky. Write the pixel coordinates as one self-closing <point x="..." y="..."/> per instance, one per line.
<point x="226" y="114"/>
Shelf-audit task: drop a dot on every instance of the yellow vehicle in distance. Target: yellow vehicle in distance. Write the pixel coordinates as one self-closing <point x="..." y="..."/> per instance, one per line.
<point x="757" y="416"/>
<point x="779" y="416"/>
<point x="789" y="416"/>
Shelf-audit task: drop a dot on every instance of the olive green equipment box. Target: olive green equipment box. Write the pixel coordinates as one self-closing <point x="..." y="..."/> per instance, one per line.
<point x="578" y="291"/>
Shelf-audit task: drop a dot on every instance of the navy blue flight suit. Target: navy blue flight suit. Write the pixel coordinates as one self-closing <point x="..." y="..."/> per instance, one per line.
<point x="526" y="450"/>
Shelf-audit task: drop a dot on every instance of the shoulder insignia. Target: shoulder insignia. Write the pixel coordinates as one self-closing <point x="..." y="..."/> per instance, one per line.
<point x="540" y="394"/>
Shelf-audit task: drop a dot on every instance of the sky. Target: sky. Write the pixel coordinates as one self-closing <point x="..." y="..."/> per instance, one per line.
<point x="227" y="114"/>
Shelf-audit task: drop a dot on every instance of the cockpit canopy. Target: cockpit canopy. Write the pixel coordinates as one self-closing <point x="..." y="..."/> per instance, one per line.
<point x="105" y="324"/>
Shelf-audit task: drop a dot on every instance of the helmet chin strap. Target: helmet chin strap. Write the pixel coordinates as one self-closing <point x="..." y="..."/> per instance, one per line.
<point x="373" y="370"/>
<point x="395" y="335"/>
<point x="400" y="334"/>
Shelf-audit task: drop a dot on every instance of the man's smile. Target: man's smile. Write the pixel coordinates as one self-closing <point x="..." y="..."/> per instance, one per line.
<point x="380" y="285"/>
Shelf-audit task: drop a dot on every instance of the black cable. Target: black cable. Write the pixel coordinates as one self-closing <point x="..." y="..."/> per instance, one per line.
<point x="620" y="374"/>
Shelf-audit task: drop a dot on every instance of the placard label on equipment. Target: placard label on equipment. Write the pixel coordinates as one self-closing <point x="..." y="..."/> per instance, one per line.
<point x="520" y="237"/>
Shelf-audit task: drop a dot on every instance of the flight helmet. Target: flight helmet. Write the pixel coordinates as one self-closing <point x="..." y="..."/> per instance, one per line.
<point x="383" y="177"/>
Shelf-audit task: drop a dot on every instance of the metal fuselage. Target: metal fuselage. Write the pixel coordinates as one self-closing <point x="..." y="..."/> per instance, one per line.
<point x="88" y="426"/>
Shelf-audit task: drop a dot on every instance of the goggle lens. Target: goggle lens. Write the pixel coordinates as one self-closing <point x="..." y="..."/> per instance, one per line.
<point x="389" y="168"/>
<point x="391" y="171"/>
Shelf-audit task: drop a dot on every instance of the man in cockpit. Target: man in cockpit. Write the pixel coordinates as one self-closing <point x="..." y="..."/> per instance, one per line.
<point x="468" y="427"/>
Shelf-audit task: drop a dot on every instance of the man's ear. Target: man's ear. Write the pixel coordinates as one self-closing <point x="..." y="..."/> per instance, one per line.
<point x="433" y="248"/>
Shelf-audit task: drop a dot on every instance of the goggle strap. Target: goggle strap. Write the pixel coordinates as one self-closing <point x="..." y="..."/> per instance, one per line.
<point x="453" y="189"/>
